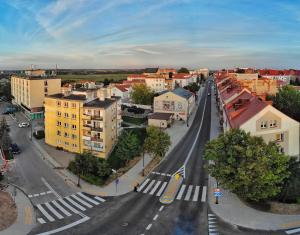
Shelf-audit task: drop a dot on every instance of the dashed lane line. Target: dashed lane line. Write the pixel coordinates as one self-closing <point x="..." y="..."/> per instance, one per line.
<point x="161" y="208"/>
<point x="149" y="226"/>
<point x="155" y="217"/>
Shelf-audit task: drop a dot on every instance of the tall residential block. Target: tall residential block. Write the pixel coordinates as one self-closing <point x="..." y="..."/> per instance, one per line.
<point x="29" y="90"/>
<point x="86" y="121"/>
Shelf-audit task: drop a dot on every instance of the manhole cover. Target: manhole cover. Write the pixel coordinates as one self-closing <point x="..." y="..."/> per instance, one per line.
<point x="124" y="224"/>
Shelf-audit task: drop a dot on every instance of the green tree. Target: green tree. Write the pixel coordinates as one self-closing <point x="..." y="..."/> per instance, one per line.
<point x="193" y="87"/>
<point x="157" y="142"/>
<point x="5" y="140"/>
<point x="287" y="100"/>
<point x="81" y="165"/>
<point x="183" y="70"/>
<point x="141" y="94"/>
<point x="246" y="165"/>
<point x="103" y="168"/>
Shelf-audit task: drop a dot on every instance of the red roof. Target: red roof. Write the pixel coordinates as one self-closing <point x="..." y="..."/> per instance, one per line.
<point x="123" y="87"/>
<point x="242" y="108"/>
<point x="181" y="76"/>
<point x="230" y="91"/>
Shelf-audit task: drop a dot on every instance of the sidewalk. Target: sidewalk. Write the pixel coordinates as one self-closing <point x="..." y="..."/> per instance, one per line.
<point x="232" y="210"/>
<point x="59" y="160"/>
<point x="25" y="221"/>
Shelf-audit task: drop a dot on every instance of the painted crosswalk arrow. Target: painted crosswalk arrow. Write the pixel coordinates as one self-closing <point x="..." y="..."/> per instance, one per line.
<point x="180" y="171"/>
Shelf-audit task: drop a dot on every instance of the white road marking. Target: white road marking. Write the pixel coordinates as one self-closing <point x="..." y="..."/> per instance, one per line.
<point x="43" y="193"/>
<point x="35" y="195"/>
<point x="149" y="226"/>
<point x="161" y="189"/>
<point x="155" y="217"/>
<point x="163" y="174"/>
<point x="75" y="204"/>
<point x="48" y="192"/>
<point x="196" y="194"/>
<point x="189" y="193"/>
<point x="155" y="187"/>
<point x="87" y="198"/>
<point x="168" y="175"/>
<point x="203" y="197"/>
<point x="68" y="206"/>
<point x="81" y="201"/>
<point x="99" y="199"/>
<point x="41" y="220"/>
<point x="149" y="186"/>
<point x="59" y="216"/>
<point x="84" y="219"/>
<point x="50" y="188"/>
<point x="45" y="213"/>
<point x="179" y="196"/>
<point x="29" y="196"/>
<point x="291" y="231"/>
<point x="61" y="208"/>
<point x="143" y="185"/>
<point x="161" y="208"/>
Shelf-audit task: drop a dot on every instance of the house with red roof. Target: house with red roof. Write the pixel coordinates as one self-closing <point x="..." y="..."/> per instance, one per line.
<point x="260" y="118"/>
<point x="121" y="90"/>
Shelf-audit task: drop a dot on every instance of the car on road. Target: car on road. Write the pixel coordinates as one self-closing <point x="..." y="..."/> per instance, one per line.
<point x="24" y="124"/>
<point x="15" y="149"/>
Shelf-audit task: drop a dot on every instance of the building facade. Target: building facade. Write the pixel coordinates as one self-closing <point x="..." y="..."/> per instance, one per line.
<point x="79" y="122"/>
<point x="29" y="92"/>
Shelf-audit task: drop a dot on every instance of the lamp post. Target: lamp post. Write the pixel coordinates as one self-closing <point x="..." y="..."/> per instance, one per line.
<point x="143" y="171"/>
<point x="187" y="117"/>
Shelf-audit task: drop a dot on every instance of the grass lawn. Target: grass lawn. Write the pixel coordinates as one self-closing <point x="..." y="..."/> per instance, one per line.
<point x="95" y="77"/>
<point x="137" y="121"/>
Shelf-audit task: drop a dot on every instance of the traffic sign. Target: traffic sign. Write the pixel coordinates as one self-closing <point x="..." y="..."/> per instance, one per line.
<point x="217" y="194"/>
<point x="117" y="181"/>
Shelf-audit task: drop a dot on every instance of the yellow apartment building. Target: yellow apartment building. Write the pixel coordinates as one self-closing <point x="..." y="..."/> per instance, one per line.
<point x="79" y="123"/>
<point x="29" y="92"/>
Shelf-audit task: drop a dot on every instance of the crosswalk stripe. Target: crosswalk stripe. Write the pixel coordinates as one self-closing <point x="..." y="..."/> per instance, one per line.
<point x="155" y="187"/>
<point x="81" y="201"/>
<point x="179" y="196"/>
<point x="149" y="186"/>
<point x="87" y="198"/>
<point x="196" y="194"/>
<point x="189" y="192"/>
<point x="68" y="206"/>
<point x="61" y="208"/>
<point x="59" y="216"/>
<point x="75" y="203"/>
<point x="45" y="213"/>
<point x="161" y="189"/>
<point x="41" y="220"/>
<point x="99" y="199"/>
<point x="204" y="190"/>
<point x="291" y="231"/>
<point x="143" y="185"/>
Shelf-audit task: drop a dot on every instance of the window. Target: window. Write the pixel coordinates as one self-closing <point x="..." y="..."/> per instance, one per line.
<point x="58" y="103"/>
<point x="281" y="149"/>
<point x="74" y="136"/>
<point x="58" y="113"/>
<point x="58" y="133"/>
<point x="279" y="137"/>
<point x="66" y="115"/>
<point x="46" y="90"/>
<point x="46" y="83"/>
<point x="263" y="124"/>
<point x="66" y="143"/>
<point x="74" y="145"/>
<point x="273" y="123"/>
<point x="74" y="127"/>
<point x="74" y="116"/>
<point x="58" y="123"/>
<point x="66" y="125"/>
<point x="66" y="105"/>
<point x="73" y="105"/>
<point x="66" y="135"/>
<point x="58" y="142"/>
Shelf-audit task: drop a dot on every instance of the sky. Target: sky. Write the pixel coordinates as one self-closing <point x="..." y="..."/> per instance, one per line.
<point x="120" y="34"/>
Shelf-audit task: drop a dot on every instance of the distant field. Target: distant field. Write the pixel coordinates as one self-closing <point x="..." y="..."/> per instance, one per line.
<point x="96" y="77"/>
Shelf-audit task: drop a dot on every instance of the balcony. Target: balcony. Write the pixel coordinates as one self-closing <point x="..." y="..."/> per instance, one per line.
<point x="97" y="129"/>
<point x="86" y="117"/>
<point x="86" y="137"/>
<point x="100" y="118"/>
<point x="86" y="127"/>
<point x="97" y="139"/>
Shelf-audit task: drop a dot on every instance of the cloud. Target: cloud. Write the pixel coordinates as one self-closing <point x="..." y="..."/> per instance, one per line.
<point x="148" y="51"/>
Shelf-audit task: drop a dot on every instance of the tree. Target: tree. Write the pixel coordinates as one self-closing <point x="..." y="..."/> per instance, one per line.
<point x="193" y="87"/>
<point x="157" y="142"/>
<point x="183" y="70"/>
<point x="246" y="165"/>
<point x="141" y="94"/>
<point x="287" y="100"/>
<point x="81" y="164"/>
<point x="128" y="146"/>
<point x="291" y="188"/>
<point x="5" y="141"/>
<point x="106" y="82"/>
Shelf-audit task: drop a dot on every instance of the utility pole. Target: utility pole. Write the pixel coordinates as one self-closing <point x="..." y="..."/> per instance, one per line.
<point x="143" y="172"/>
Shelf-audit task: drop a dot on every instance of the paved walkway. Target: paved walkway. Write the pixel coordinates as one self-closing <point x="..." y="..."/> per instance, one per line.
<point x="233" y="211"/>
<point x="60" y="159"/>
<point x="26" y="218"/>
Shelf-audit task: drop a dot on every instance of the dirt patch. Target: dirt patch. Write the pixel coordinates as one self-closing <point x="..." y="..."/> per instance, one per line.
<point x="152" y="164"/>
<point x="8" y="210"/>
<point x="284" y="208"/>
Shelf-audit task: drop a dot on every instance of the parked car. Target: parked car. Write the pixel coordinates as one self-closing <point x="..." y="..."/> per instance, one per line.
<point x="208" y="94"/>
<point x="40" y="134"/>
<point x="24" y="124"/>
<point x="15" y="149"/>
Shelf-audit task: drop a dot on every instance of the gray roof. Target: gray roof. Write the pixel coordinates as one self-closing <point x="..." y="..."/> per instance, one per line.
<point x="160" y="116"/>
<point x="99" y="103"/>
<point x="69" y="97"/>
<point x="182" y="92"/>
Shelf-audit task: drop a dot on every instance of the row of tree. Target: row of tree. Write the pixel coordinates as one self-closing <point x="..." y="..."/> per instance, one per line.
<point x="251" y="168"/>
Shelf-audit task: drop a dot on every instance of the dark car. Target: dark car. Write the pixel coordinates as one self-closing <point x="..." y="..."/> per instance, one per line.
<point x="15" y="149"/>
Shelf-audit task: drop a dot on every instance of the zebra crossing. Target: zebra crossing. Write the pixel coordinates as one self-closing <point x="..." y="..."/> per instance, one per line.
<point x="212" y="225"/>
<point x="65" y="207"/>
<point x="293" y="231"/>
<point x="186" y="192"/>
